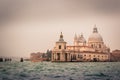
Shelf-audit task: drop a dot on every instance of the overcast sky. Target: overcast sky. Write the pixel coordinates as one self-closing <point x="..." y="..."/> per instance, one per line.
<point x="28" y="26"/>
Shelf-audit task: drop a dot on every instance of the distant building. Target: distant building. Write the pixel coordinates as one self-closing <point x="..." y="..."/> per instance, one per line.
<point x="21" y="59"/>
<point x="48" y="55"/>
<point x="1" y="59"/>
<point x="81" y="50"/>
<point x="36" y="57"/>
<point x="115" y="55"/>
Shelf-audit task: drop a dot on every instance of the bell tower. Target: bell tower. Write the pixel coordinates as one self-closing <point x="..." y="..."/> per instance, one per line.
<point x="59" y="52"/>
<point x="61" y="44"/>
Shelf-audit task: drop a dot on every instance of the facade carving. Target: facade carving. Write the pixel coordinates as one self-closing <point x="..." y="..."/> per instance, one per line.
<point x="92" y="50"/>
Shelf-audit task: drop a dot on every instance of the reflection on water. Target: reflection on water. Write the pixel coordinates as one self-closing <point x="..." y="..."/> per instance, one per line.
<point x="60" y="71"/>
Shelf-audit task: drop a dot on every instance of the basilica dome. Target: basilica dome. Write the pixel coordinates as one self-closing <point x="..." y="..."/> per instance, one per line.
<point x="81" y="39"/>
<point x="95" y="36"/>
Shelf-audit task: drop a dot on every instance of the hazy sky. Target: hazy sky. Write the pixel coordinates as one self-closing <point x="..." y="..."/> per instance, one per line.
<point x="28" y="26"/>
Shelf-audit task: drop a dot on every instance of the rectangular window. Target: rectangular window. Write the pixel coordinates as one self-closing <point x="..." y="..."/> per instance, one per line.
<point x="59" y="46"/>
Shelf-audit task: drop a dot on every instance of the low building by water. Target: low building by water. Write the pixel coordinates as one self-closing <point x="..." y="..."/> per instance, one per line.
<point x="1" y="59"/>
<point x="21" y="59"/>
<point x="36" y="57"/>
<point x="92" y="50"/>
<point x="115" y="56"/>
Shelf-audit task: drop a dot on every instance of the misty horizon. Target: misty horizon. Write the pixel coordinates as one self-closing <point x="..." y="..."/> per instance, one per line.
<point x="35" y="26"/>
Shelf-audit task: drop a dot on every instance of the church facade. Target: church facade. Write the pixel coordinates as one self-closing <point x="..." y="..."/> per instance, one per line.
<point x="84" y="51"/>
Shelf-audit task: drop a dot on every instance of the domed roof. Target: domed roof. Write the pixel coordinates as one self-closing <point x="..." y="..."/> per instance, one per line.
<point x="61" y="37"/>
<point x="81" y="39"/>
<point x="95" y="36"/>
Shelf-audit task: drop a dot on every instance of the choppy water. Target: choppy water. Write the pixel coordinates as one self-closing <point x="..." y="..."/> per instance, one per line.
<point x="60" y="71"/>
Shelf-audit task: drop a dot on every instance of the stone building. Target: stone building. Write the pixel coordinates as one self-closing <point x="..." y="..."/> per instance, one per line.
<point x="92" y="50"/>
<point x="115" y="56"/>
<point x="37" y="57"/>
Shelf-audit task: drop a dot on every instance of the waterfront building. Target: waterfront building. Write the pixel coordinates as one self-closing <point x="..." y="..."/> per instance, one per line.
<point x="92" y="50"/>
<point x="115" y="55"/>
<point x="38" y="57"/>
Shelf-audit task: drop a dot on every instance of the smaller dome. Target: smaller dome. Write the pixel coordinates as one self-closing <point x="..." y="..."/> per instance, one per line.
<point x="61" y="35"/>
<point x="81" y="39"/>
<point x="61" y="38"/>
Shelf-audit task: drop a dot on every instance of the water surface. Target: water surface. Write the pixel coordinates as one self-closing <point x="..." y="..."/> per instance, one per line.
<point x="60" y="71"/>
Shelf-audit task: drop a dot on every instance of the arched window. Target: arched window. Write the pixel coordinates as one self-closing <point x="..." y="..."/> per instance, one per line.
<point x="74" y="57"/>
<point x="99" y="45"/>
<point x="78" y="56"/>
<point x="65" y="56"/>
<point x="92" y="45"/>
<point x="58" y="56"/>
<point x="64" y="47"/>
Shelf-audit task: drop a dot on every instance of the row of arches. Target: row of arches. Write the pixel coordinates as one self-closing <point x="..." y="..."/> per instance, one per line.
<point x="96" y="46"/>
<point x="64" y="57"/>
<point x="77" y="57"/>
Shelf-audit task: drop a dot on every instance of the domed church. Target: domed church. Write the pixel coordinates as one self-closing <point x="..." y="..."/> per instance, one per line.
<point x="84" y="51"/>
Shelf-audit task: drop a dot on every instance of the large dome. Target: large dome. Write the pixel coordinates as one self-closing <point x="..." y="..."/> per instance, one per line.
<point x="95" y="36"/>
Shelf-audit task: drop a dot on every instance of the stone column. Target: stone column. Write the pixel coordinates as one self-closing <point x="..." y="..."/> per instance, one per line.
<point x="61" y="56"/>
<point x="69" y="56"/>
<point x="52" y="56"/>
<point x="55" y="57"/>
